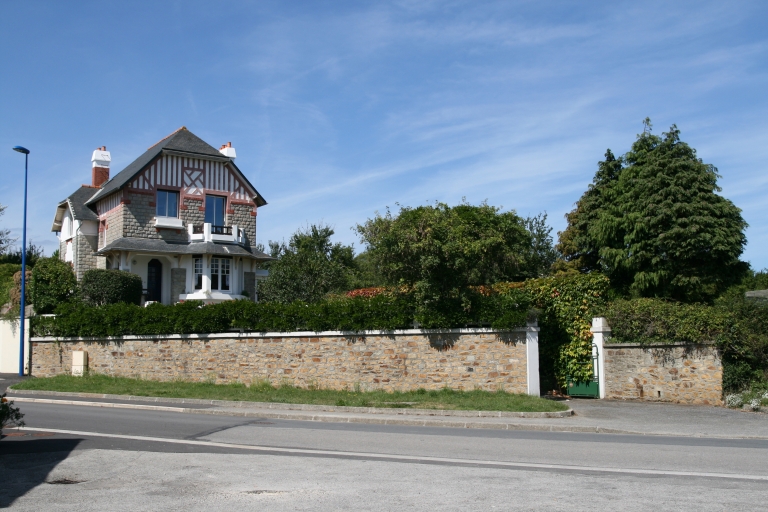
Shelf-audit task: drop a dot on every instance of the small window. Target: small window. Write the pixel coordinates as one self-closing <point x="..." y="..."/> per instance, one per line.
<point x="198" y="273"/>
<point x="167" y="203"/>
<point x="214" y="210"/>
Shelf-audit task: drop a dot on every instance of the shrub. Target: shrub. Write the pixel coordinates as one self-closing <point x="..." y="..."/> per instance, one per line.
<point x="53" y="282"/>
<point x="7" y="270"/>
<point x="9" y="414"/>
<point x="386" y="311"/>
<point x="100" y="287"/>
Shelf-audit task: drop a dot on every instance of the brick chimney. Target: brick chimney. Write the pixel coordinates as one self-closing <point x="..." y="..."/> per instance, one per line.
<point x="228" y="150"/>
<point x="100" y="163"/>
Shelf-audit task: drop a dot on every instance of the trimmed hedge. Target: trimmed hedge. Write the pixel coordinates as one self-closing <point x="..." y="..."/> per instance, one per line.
<point x="386" y="311"/>
<point x="99" y="287"/>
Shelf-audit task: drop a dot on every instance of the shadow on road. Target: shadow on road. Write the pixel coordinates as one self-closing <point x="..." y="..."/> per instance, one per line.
<point x="25" y="464"/>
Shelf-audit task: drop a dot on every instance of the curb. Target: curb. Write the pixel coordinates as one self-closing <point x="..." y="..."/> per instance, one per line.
<point x="331" y="418"/>
<point x="305" y="407"/>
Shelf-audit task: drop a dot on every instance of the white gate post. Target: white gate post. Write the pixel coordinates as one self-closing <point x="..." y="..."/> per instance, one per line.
<point x="532" y="357"/>
<point x="600" y="329"/>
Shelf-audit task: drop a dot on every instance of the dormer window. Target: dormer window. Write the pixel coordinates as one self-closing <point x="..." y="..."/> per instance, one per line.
<point x="167" y="203"/>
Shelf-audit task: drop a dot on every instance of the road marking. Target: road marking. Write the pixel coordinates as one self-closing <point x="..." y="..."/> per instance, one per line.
<point x="101" y="404"/>
<point x="408" y="458"/>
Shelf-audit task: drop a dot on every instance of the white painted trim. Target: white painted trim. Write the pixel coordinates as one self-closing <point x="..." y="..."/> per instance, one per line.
<point x="169" y="222"/>
<point x="300" y="334"/>
<point x="532" y="360"/>
<point x="600" y="330"/>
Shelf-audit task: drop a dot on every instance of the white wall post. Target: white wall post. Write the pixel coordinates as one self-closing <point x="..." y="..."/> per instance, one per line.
<point x="532" y="358"/>
<point x="79" y="362"/>
<point x="600" y="331"/>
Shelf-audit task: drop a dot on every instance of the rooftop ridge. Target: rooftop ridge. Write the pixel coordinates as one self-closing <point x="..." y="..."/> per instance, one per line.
<point x="167" y="137"/>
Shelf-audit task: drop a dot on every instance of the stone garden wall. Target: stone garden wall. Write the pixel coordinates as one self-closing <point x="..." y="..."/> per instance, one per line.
<point x="403" y="360"/>
<point x="681" y="373"/>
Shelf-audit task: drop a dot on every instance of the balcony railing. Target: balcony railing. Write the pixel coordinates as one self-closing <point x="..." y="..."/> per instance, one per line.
<point x="199" y="229"/>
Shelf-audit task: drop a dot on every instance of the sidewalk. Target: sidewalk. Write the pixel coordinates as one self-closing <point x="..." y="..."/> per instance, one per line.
<point x="595" y="416"/>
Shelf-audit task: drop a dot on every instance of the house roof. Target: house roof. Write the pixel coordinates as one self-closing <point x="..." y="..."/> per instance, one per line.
<point x="76" y="202"/>
<point x="150" y="245"/>
<point x="181" y="141"/>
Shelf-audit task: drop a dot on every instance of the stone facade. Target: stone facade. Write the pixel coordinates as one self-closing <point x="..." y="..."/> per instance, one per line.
<point x="178" y="283"/>
<point x="404" y="360"/>
<point x="85" y="258"/>
<point x="673" y="373"/>
<point x="114" y="226"/>
<point x="192" y="212"/>
<point x="138" y="219"/>
<point x="241" y="217"/>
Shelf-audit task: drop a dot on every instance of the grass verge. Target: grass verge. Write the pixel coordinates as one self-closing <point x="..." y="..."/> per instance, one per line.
<point x="265" y="392"/>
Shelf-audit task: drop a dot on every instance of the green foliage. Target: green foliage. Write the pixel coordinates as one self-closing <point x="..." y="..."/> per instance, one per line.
<point x="99" y="287"/>
<point x="9" y="414"/>
<point x="367" y="274"/>
<point x="7" y="270"/>
<point x="386" y="311"/>
<point x="5" y="236"/>
<point x="739" y="327"/>
<point x="542" y="253"/>
<point x="53" y="282"/>
<point x="653" y="222"/>
<point x="440" y="252"/>
<point x="567" y="304"/>
<point x="308" y="268"/>
<point x="34" y="253"/>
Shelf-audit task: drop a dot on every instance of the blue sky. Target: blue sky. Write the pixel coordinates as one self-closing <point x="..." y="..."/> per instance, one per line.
<point x="340" y="109"/>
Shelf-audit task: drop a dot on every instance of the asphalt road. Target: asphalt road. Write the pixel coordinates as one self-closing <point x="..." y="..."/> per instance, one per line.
<point x="118" y="459"/>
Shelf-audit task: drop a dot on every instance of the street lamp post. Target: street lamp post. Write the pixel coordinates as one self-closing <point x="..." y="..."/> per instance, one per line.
<point x="23" y="303"/>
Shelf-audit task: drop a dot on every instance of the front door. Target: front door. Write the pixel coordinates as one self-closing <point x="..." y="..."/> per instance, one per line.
<point x="154" y="281"/>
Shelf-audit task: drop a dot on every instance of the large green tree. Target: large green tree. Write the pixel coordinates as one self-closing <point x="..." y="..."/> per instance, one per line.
<point x="308" y="267"/>
<point x="440" y="251"/>
<point x="654" y="222"/>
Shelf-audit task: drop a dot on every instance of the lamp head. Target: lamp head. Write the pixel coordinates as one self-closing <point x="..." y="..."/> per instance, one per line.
<point x="21" y="149"/>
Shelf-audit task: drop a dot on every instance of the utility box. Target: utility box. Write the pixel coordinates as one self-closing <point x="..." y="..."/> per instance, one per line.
<point x="79" y="362"/>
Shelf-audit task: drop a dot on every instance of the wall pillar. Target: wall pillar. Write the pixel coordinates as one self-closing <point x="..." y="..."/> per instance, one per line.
<point x="532" y="358"/>
<point x="600" y="331"/>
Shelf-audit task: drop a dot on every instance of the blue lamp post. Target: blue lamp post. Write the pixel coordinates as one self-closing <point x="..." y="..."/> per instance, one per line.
<point x="23" y="303"/>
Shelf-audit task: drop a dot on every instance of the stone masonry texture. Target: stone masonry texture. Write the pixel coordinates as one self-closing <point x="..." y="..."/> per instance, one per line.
<point x="480" y="360"/>
<point x="243" y="219"/>
<point x="178" y="283"/>
<point x="138" y="220"/>
<point x="85" y="257"/>
<point x="691" y="374"/>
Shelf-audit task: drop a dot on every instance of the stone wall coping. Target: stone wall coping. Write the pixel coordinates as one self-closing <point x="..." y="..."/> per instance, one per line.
<point x="296" y="334"/>
<point x="658" y="345"/>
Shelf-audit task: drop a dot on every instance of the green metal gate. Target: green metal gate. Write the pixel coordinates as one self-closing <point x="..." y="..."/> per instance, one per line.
<point x="590" y="388"/>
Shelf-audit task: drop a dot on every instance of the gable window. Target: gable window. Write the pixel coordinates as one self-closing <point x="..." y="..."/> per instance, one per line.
<point x="220" y="273"/>
<point x="198" y="273"/>
<point x="167" y="203"/>
<point x="214" y="210"/>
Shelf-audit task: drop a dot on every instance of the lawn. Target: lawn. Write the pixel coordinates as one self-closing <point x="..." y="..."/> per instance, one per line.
<point x="265" y="392"/>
